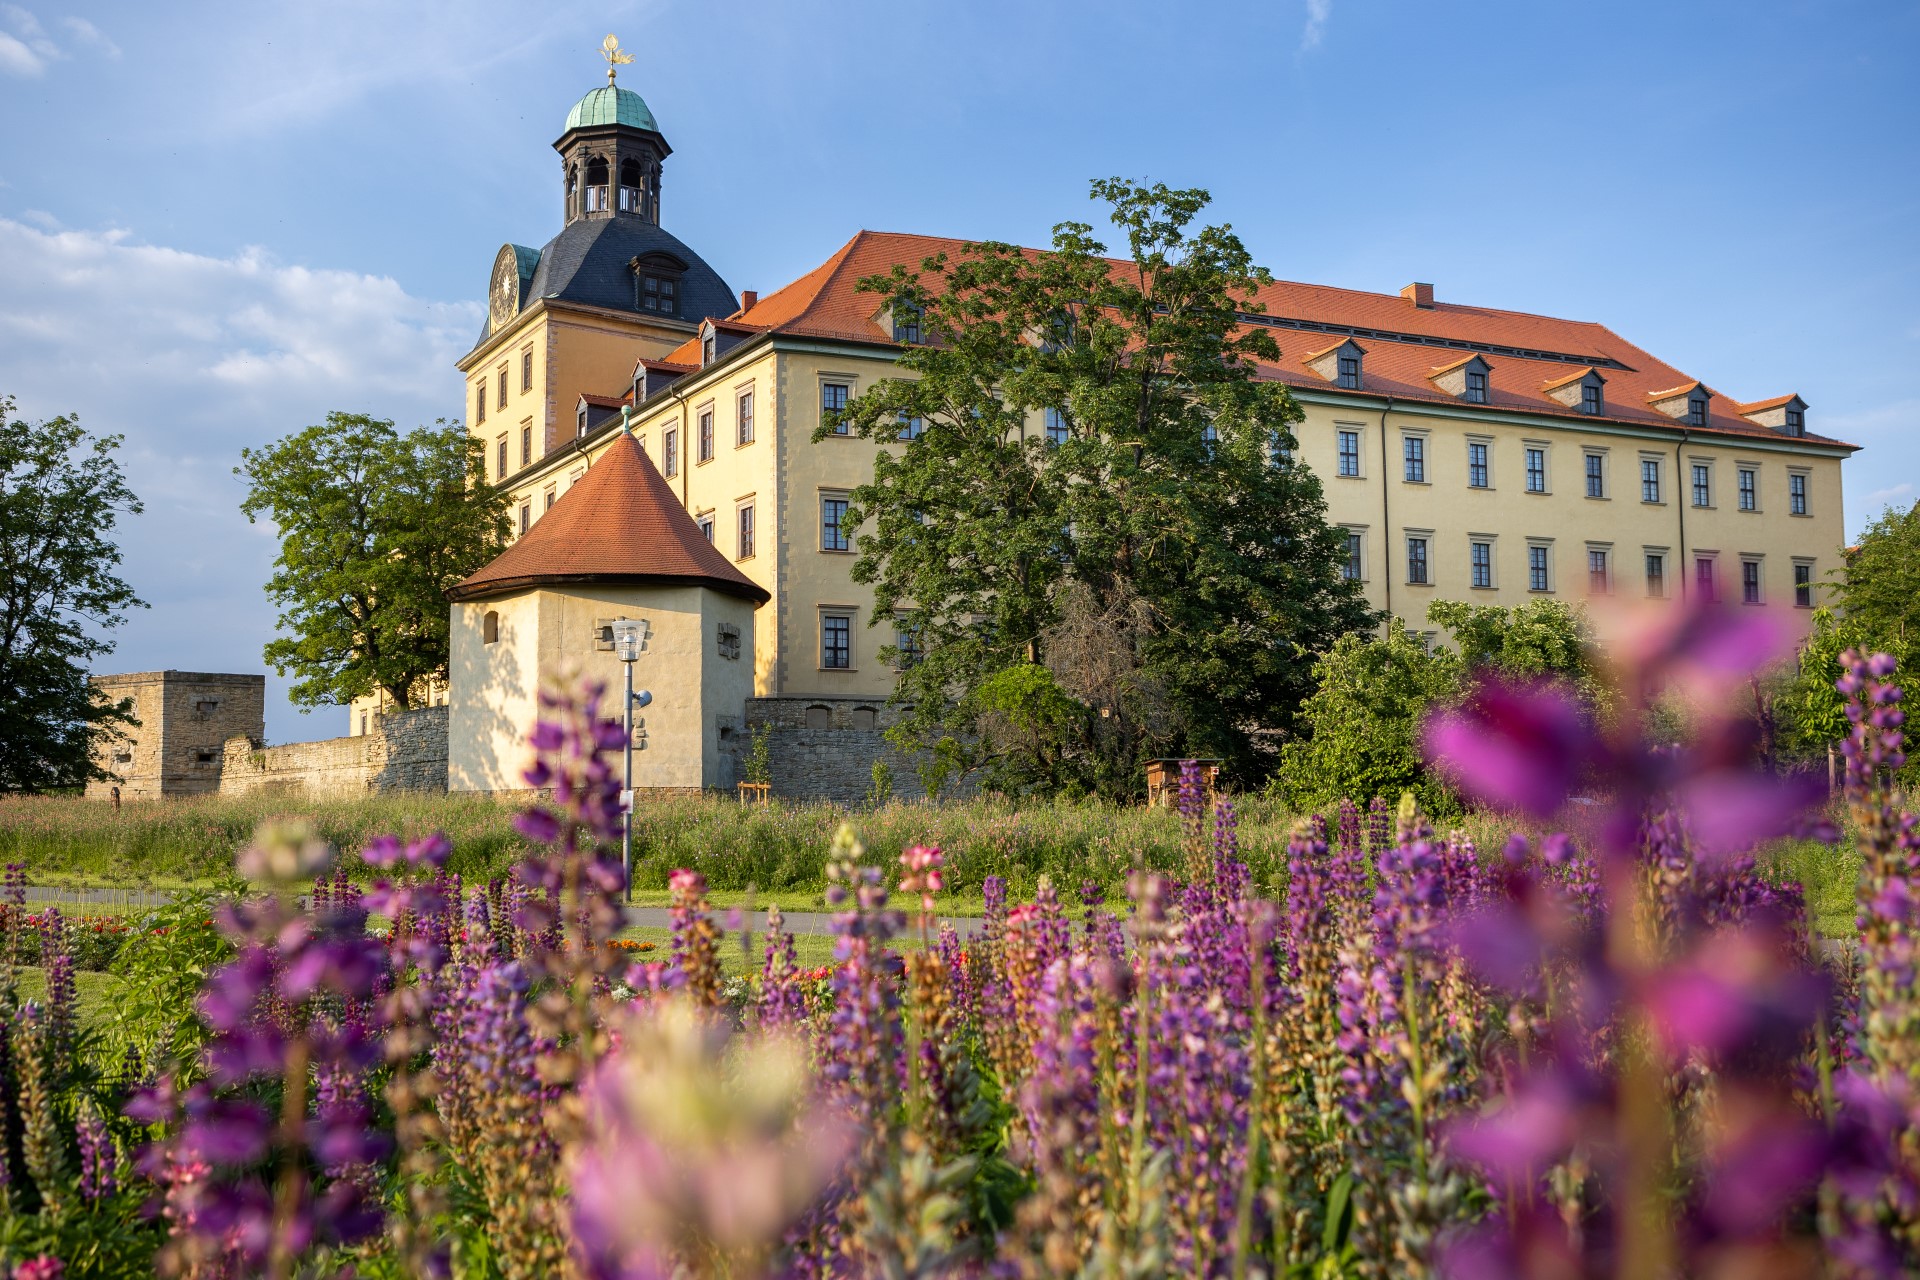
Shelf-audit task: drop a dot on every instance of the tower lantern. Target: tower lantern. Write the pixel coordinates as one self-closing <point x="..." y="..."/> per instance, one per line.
<point x="611" y="150"/>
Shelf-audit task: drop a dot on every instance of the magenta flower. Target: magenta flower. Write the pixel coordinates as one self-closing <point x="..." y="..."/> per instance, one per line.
<point x="1514" y="748"/>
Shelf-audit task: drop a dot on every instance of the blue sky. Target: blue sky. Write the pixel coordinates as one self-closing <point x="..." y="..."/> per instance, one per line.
<point x="218" y="221"/>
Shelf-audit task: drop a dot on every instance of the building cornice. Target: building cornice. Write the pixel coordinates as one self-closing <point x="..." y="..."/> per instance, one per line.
<point x="527" y="314"/>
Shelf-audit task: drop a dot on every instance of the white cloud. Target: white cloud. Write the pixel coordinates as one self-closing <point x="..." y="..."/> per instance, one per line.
<point x="88" y="34"/>
<point x="27" y="50"/>
<point x="1317" y="14"/>
<point x="194" y="357"/>
<point x="1882" y="497"/>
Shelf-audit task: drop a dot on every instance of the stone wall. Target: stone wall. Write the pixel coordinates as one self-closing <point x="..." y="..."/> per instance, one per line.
<point x="824" y="748"/>
<point x="185" y="717"/>
<point x="405" y="751"/>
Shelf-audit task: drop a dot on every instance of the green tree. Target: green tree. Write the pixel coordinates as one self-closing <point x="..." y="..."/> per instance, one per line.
<point x="1363" y="723"/>
<point x="1880" y="591"/>
<point x="61" y="493"/>
<point x="1156" y="549"/>
<point x="374" y="526"/>
<point x="1538" y="640"/>
<point x="1812" y="714"/>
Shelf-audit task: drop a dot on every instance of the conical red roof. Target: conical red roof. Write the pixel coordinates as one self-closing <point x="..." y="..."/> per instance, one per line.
<point x="619" y="523"/>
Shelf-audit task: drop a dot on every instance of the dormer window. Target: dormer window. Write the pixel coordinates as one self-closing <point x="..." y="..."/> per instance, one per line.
<point x="706" y="346"/>
<point x="1696" y="411"/>
<point x="1338" y="364"/>
<point x="1590" y="401"/>
<point x="659" y="294"/>
<point x="1349" y="372"/>
<point x="906" y="323"/>
<point x="581" y="420"/>
<point x="1796" y="422"/>
<point x="1476" y="386"/>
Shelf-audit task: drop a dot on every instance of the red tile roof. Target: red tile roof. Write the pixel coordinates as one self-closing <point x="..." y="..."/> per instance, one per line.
<point x="620" y="523"/>
<point x="1761" y="406"/>
<point x="1530" y="353"/>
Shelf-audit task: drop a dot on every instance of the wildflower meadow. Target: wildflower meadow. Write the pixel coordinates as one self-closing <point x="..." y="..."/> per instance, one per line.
<point x="1613" y="1049"/>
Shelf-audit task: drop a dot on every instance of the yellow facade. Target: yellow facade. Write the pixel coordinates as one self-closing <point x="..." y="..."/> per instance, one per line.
<point x="783" y="474"/>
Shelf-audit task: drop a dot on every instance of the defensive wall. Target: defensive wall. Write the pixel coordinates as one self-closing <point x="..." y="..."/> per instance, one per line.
<point x="401" y="751"/>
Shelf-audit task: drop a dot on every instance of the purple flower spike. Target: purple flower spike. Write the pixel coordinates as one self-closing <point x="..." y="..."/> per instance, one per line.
<point x="546" y="736"/>
<point x="381" y="851"/>
<point x="537" y="825"/>
<point x="1729" y="812"/>
<point x="1514" y="748"/>
<point x="432" y="851"/>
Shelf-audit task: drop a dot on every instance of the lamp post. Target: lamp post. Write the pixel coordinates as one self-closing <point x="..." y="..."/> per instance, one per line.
<point x="629" y="642"/>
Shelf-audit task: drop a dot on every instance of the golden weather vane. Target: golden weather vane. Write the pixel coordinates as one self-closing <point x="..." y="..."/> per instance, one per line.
<point x="615" y="56"/>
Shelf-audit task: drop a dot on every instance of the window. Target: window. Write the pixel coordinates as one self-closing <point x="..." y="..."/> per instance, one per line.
<point x="1537" y="569"/>
<point x="1417" y="562"/>
<point x="1702" y="485"/>
<point x="480" y="402"/>
<point x="1590" y="397"/>
<point x="1209" y="439"/>
<point x="1703" y="579"/>
<point x="833" y="399"/>
<point x="1476" y="465"/>
<point x="1797" y="494"/>
<point x="1696" y="411"/>
<point x="703" y="427"/>
<point x="836" y="641"/>
<point x="1349" y="372"/>
<point x="707" y="341"/>
<point x="553" y="496"/>
<point x="1749" y="499"/>
<point x="1649" y="480"/>
<point x="1482" y="555"/>
<point x="743" y="419"/>
<point x="819" y="718"/>
<point x="1279" y="448"/>
<point x="500" y="457"/>
<point x="1656" y="575"/>
<point x="1416" y="461"/>
<point x="1803" y="586"/>
<point x="906" y="643"/>
<point x="580" y="420"/>
<point x="910" y="427"/>
<point x="1355" y="569"/>
<point x="526" y="518"/>
<point x="906" y="323"/>
<point x="1536" y="470"/>
<point x="503" y="389"/>
<point x="489" y="633"/>
<point x="705" y="525"/>
<point x="526" y="446"/>
<point x="746" y="533"/>
<point x="1349" y="453"/>
<point x="670" y="451"/>
<point x="1056" y="423"/>
<point x="1598" y="580"/>
<point x="657" y="294"/>
<point x="833" y="525"/>
<point x="1596" y="475"/>
<point x="526" y="370"/>
<point x="1476" y="386"/>
<point x="1749" y="582"/>
<point x="128" y="759"/>
<point x="1796" y="422"/>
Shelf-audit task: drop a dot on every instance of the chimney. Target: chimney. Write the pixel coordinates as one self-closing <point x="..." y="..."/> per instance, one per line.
<point x="750" y="296"/>
<point x="1420" y="295"/>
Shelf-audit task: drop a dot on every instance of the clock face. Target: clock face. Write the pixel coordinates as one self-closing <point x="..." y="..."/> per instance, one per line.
<point x="504" y="295"/>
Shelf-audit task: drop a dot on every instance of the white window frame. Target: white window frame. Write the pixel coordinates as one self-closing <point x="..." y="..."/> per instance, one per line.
<point x="1544" y="545"/>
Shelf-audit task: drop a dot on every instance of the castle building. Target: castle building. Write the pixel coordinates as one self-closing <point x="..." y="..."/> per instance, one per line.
<point x="1469" y="453"/>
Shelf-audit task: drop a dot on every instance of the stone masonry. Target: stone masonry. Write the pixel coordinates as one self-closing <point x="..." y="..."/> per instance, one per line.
<point x="185" y="717"/>
<point x="402" y="751"/>
<point x="824" y="748"/>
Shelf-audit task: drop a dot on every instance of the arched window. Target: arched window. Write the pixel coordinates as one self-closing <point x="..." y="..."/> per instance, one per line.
<point x="819" y="718"/>
<point x="573" y="190"/>
<point x="597" y="185"/>
<point x="632" y="188"/>
<point x="864" y="718"/>
<point x="490" y="627"/>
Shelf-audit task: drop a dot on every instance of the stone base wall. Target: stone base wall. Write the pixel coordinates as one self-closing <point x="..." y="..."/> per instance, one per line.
<point x="406" y="751"/>
<point x="185" y="717"/>
<point x="824" y="748"/>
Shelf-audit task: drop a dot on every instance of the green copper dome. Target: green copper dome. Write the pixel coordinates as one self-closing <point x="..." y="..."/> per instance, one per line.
<point x="611" y="105"/>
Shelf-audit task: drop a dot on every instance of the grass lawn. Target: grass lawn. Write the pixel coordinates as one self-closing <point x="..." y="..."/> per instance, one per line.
<point x="751" y="854"/>
<point x="99" y="993"/>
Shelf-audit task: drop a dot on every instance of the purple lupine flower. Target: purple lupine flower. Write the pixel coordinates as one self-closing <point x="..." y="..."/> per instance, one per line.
<point x="783" y="1005"/>
<point x="99" y="1158"/>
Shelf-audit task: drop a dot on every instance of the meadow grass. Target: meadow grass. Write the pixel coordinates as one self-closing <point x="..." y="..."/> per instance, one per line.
<point x="750" y="854"/>
<point x="98" y="995"/>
